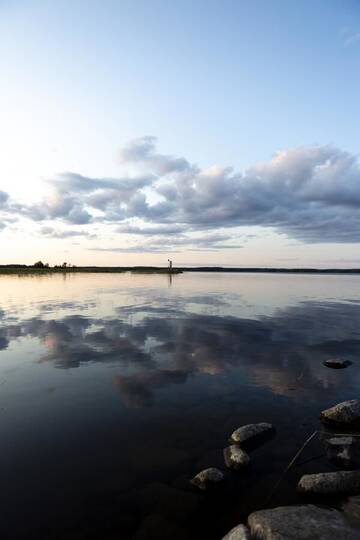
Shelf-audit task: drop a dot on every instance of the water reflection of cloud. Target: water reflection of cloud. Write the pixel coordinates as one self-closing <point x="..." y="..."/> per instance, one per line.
<point x="283" y="353"/>
<point x="138" y="390"/>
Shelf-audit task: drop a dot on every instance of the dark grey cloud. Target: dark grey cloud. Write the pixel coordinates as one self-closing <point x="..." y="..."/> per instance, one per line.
<point x="151" y="231"/>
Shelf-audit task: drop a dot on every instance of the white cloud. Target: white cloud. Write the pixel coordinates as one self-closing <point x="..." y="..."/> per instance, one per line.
<point x="310" y="193"/>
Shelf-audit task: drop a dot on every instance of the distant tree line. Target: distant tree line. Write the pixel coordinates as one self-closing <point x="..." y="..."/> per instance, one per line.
<point x="40" y="264"/>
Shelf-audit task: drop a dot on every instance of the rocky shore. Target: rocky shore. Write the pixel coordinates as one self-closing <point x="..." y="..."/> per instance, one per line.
<point x="334" y="511"/>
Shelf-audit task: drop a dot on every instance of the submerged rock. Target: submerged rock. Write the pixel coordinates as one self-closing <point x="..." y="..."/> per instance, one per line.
<point x="341" y="450"/>
<point x="346" y="413"/>
<point x="236" y="458"/>
<point x="352" y="507"/>
<point x="337" y="363"/>
<point x="303" y="522"/>
<point x="251" y="435"/>
<point x="241" y="532"/>
<point x="208" y="478"/>
<point x="332" y="483"/>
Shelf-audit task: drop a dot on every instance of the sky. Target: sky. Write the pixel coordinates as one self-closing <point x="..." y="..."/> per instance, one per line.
<point x="209" y="132"/>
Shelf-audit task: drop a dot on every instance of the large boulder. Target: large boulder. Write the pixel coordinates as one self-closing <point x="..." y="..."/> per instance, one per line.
<point x="208" y="478"/>
<point x="337" y="363"/>
<point x="238" y="533"/>
<point x="251" y="435"/>
<point x="346" y="413"/>
<point x="236" y="458"/>
<point x="331" y="483"/>
<point x="303" y="522"/>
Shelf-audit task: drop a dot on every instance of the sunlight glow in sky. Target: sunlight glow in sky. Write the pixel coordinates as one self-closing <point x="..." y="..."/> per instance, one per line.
<point x="219" y="133"/>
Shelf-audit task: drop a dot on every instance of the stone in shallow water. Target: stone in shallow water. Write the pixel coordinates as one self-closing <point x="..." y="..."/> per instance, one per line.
<point x="341" y="450"/>
<point x="337" y="363"/>
<point x="208" y="478"/>
<point x="303" y="522"/>
<point x="236" y="458"/>
<point x="241" y="532"/>
<point x="332" y="483"/>
<point x="252" y="435"/>
<point x="346" y="413"/>
<point x="352" y="507"/>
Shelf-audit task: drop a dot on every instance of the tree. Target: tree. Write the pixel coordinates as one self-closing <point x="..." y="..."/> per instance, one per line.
<point x="39" y="264"/>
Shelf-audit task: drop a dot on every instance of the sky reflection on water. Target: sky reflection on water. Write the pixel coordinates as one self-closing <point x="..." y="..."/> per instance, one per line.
<point x="123" y="363"/>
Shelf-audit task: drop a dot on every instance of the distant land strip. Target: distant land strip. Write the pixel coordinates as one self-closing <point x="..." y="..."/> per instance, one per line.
<point x="29" y="269"/>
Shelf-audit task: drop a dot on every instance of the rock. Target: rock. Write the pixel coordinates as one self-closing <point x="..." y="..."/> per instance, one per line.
<point x="352" y="507"/>
<point x="236" y="458"/>
<point x="252" y="435"/>
<point x="158" y="527"/>
<point x="241" y="532"/>
<point x="207" y="478"/>
<point x="332" y="483"/>
<point x="303" y="522"/>
<point x="337" y="363"/>
<point x="346" y="413"/>
<point x="341" y="450"/>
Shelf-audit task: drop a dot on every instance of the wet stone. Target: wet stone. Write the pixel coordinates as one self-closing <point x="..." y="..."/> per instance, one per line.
<point x="346" y="413"/>
<point x="252" y="435"/>
<point x="352" y="507"/>
<point x="208" y="478"/>
<point x="302" y="522"/>
<point x="241" y="532"/>
<point x="337" y="363"/>
<point x="332" y="483"/>
<point x="236" y="458"/>
<point x="341" y="451"/>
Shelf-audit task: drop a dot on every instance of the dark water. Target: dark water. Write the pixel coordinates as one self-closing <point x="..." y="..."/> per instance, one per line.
<point x="116" y="389"/>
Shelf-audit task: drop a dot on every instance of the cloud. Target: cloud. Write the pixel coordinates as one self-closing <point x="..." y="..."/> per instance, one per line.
<point x="73" y="198"/>
<point x="310" y="193"/>
<point x="209" y="242"/>
<point x="150" y="231"/>
<point x="49" y="232"/>
<point x="142" y="151"/>
<point x="3" y="198"/>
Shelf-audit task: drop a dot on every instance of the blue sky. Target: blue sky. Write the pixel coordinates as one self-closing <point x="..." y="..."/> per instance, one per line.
<point x="229" y="83"/>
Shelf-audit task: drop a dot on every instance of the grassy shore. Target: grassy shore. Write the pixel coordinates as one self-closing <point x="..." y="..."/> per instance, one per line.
<point x="25" y="269"/>
<point x="20" y="269"/>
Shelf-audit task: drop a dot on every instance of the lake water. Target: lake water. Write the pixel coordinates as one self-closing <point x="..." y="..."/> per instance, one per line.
<point x="116" y="389"/>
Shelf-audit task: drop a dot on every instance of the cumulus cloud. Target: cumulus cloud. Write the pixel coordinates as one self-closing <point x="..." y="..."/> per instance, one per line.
<point x="310" y="193"/>
<point x="142" y="151"/>
<point x="73" y="198"/>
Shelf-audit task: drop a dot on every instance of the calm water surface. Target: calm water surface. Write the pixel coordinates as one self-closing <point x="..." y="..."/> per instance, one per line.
<point x="117" y="389"/>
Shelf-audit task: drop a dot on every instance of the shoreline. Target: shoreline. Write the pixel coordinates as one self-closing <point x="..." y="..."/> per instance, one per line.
<point x="28" y="269"/>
